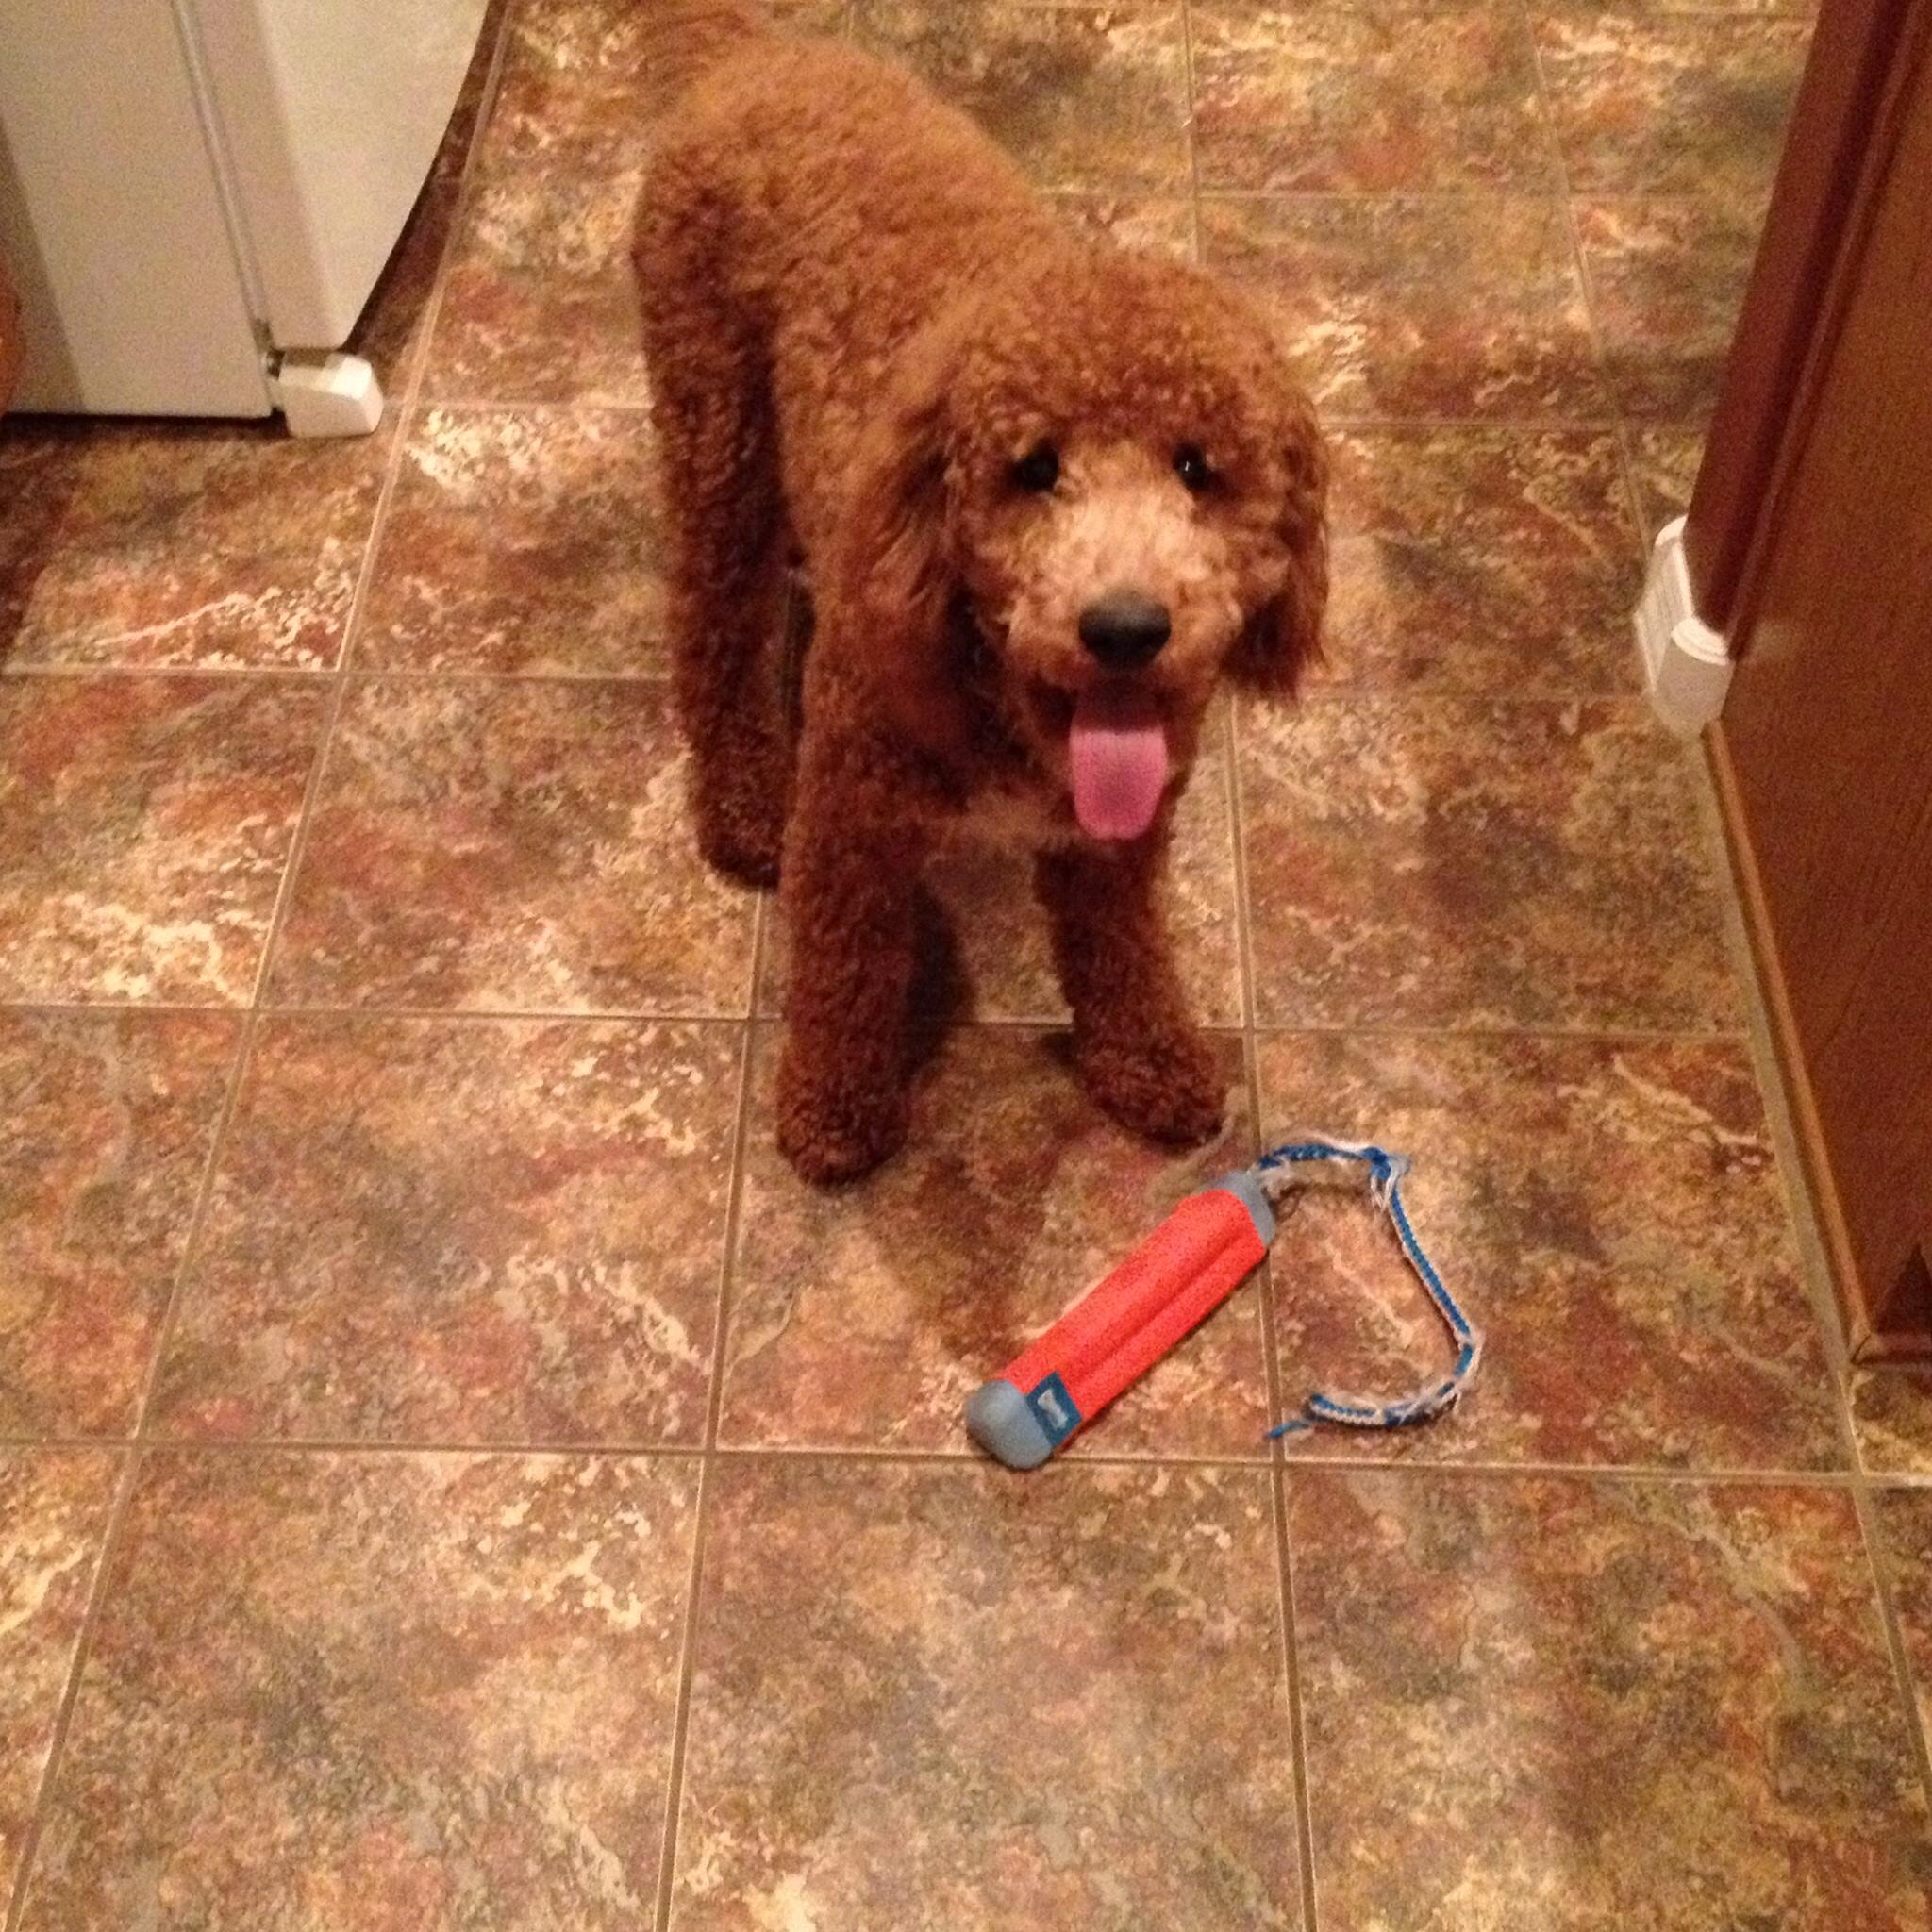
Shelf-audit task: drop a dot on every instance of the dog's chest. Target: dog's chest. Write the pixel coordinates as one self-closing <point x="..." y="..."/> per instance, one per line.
<point x="1020" y="812"/>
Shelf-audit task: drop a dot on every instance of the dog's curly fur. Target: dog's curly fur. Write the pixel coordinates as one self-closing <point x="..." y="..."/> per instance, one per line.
<point x="859" y="318"/>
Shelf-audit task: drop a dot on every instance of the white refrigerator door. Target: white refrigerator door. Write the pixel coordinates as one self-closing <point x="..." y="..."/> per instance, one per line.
<point x="110" y="213"/>
<point x="331" y="112"/>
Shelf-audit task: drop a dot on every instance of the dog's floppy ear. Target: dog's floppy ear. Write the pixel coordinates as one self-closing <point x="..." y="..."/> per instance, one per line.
<point x="895" y="585"/>
<point x="1285" y="634"/>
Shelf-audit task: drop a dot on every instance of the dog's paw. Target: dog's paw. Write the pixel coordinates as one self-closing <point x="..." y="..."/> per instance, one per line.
<point x="743" y="846"/>
<point x="1171" y="1088"/>
<point x="833" y="1132"/>
<point x="738" y="803"/>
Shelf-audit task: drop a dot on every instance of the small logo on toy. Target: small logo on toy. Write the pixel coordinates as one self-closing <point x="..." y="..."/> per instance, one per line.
<point x="1054" y="1410"/>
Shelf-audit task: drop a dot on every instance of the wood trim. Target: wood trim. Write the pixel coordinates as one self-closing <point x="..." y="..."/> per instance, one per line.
<point x="1907" y="1308"/>
<point x="12" y="342"/>
<point x="1864" y="1337"/>
<point x="1838" y="151"/>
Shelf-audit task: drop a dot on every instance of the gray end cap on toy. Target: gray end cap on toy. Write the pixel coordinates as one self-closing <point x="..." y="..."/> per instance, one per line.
<point x="1245" y="1186"/>
<point x="1000" y="1421"/>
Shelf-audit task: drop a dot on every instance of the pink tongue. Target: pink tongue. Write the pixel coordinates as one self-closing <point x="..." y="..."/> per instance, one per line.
<point x="1118" y="750"/>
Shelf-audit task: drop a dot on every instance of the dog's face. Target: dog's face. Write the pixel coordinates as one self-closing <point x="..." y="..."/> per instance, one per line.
<point x="1124" y="489"/>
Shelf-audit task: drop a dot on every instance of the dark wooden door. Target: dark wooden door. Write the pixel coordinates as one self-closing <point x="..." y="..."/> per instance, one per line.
<point x="1811" y="543"/>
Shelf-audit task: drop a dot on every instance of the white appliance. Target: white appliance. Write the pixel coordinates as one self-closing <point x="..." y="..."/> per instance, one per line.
<point x="197" y="196"/>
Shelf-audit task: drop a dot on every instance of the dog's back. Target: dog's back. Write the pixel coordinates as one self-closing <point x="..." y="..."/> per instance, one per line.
<point x="821" y="154"/>
<point x="685" y="38"/>
<point x="821" y="202"/>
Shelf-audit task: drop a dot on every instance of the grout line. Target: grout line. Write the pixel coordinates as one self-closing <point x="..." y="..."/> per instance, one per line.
<point x="1603" y="1036"/>
<point x="734" y="1203"/>
<point x="1297" y="1726"/>
<point x="401" y="673"/>
<point x="1193" y="150"/>
<point x="659" y="679"/>
<point x="1872" y="1538"/>
<point x="70" y="1691"/>
<point x="1320" y="693"/>
<point x="1045" y="1024"/>
<point x="254" y="674"/>
<point x="714" y="1402"/>
<point x="547" y="405"/>
<point x="1633" y="497"/>
<point x="1271" y="1349"/>
<point x="152" y="1445"/>
<point x="481" y="1016"/>
<point x="1250" y="1059"/>
<point x="1553" y="125"/>
<point x="164" y="1009"/>
<point x="531" y="1016"/>
<point x="1814" y="1268"/>
<point x="1244" y="925"/>
<point x="1339" y="423"/>
<point x="1405" y="1467"/>
<point x="686" y="1674"/>
<point x="1636" y="1473"/>
<point x="1417" y="197"/>
<point x="110" y="1542"/>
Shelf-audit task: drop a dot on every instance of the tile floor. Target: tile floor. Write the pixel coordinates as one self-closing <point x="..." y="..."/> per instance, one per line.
<point x="452" y="1475"/>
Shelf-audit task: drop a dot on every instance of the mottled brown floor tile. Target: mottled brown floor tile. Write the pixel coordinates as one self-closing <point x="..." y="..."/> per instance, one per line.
<point x="148" y="821"/>
<point x="1366" y="99"/>
<point x="576" y="81"/>
<point x="1904" y="1517"/>
<point x="53" y="1516"/>
<point x="1447" y="863"/>
<point x="1891" y="1414"/>
<point x="999" y="932"/>
<point x="462" y="1231"/>
<point x="943" y="1698"/>
<point x="510" y="846"/>
<point x="178" y="544"/>
<point x="1664" y="103"/>
<point x="1485" y="562"/>
<point x="1083" y="96"/>
<point x="1406" y="306"/>
<point x="1610" y="1212"/>
<point x="519" y="541"/>
<point x="376" y="1691"/>
<point x="1665" y="463"/>
<point x="1667" y="278"/>
<point x="105" y="1121"/>
<point x="1580" y="1705"/>
<point x="1148" y="225"/>
<point x="540" y="304"/>
<point x="865" y="1319"/>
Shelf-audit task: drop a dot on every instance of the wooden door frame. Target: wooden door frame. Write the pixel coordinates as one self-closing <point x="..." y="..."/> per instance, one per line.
<point x="1868" y="58"/>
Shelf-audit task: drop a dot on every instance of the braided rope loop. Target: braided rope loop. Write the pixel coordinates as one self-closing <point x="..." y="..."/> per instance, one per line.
<point x="1275" y="1173"/>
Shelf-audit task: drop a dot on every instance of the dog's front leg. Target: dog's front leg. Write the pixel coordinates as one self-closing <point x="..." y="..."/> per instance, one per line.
<point x="850" y="888"/>
<point x="1139" y="1054"/>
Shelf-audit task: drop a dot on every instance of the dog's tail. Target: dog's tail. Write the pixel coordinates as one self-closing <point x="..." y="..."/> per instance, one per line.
<point x="684" y="39"/>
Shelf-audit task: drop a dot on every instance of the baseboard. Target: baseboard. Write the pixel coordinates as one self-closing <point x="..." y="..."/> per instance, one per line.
<point x="1687" y="665"/>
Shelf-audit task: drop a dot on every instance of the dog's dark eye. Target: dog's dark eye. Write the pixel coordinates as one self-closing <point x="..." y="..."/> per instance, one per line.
<point x="1192" y="467"/>
<point x="1038" y="469"/>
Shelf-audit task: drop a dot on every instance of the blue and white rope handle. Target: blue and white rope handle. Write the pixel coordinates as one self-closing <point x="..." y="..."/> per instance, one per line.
<point x="1386" y="1171"/>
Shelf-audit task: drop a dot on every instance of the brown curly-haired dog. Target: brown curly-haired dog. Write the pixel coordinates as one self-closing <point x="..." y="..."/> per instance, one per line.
<point x="1047" y="494"/>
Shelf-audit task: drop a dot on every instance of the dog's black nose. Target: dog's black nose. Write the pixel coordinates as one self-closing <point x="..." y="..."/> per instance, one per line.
<point x="1125" y="630"/>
